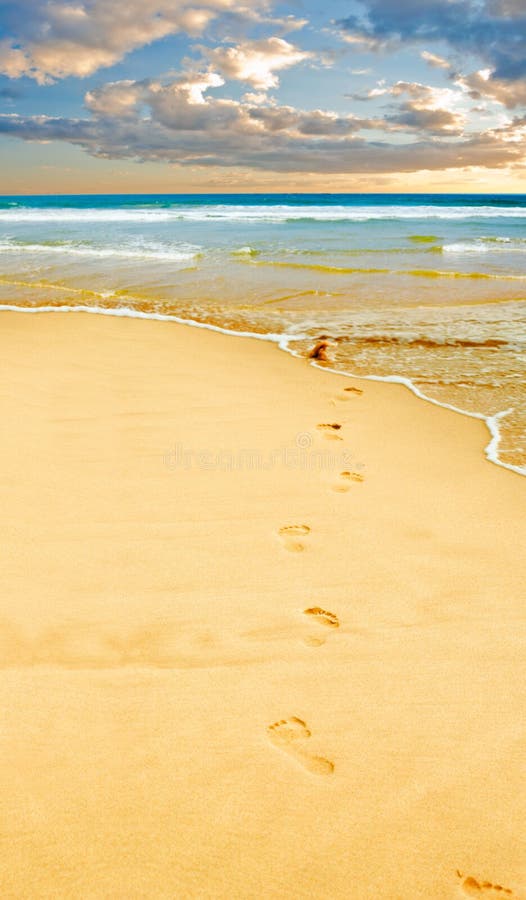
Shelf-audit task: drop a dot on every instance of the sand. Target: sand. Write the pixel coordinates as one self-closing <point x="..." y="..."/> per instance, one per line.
<point x="243" y="655"/>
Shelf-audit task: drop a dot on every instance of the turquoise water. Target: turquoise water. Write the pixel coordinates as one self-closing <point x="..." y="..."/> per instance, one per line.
<point x="428" y="287"/>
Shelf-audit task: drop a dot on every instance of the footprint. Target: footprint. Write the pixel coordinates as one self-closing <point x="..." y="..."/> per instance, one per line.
<point x="355" y="476"/>
<point x="330" y="431"/>
<point x="287" y="731"/>
<point x="347" y="393"/>
<point x="289" y="735"/>
<point x="290" y="534"/>
<point x="343" y="482"/>
<point x="323" y="618"/>
<point x="473" y="888"/>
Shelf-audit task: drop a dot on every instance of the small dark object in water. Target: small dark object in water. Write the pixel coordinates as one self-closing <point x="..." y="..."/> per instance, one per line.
<point x="319" y="351"/>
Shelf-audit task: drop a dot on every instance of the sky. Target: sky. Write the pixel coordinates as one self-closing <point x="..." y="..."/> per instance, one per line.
<point x="130" y="96"/>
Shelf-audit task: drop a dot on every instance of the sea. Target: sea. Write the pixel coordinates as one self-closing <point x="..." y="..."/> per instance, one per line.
<point x="426" y="289"/>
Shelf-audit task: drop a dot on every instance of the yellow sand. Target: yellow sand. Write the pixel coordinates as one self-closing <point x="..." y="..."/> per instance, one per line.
<point x="174" y="725"/>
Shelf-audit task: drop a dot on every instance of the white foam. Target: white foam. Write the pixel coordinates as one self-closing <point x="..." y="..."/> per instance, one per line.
<point x="275" y="213"/>
<point x="491" y="449"/>
<point x="28" y="214"/>
<point x="125" y="312"/>
<point x="245" y="251"/>
<point x="465" y="248"/>
<point x="181" y="253"/>
<point x="485" y="245"/>
<point x="283" y="341"/>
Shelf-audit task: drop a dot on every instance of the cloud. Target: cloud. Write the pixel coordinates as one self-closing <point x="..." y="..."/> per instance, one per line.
<point x="52" y="39"/>
<point x="316" y="123"/>
<point x="492" y="30"/>
<point x="257" y="98"/>
<point x="427" y="109"/>
<point x="438" y="62"/>
<point x="117" y="98"/>
<point x="256" y="62"/>
<point x="483" y="85"/>
<point x="371" y="94"/>
<point x="432" y="121"/>
<point x="358" y="38"/>
<point x="181" y="122"/>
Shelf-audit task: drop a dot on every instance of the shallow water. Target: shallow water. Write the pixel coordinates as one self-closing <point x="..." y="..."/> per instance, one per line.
<point x="431" y="288"/>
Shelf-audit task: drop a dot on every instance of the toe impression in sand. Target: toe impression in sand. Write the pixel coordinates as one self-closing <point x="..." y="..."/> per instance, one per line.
<point x="292" y="537"/>
<point x="471" y="887"/>
<point x="330" y="430"/>
<point x="290" y="735"/>
<point x="322" y="619"/>
<point x="348" y="392"/>
<point x="323" y="616"/>
<point x="343" y="482"/>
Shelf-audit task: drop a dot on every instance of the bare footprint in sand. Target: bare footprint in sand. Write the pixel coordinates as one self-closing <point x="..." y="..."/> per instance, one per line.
<point x="290" y="735"/>
<point x="343" y="482"/>
<point x="290" y="535"/>
<point x="330" y="431"/>
<point x="348" y="392"/>
<point x="471" y="887"/>
<point x="322" y="618"/>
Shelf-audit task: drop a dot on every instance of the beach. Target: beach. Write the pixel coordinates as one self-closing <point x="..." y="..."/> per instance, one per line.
<point x="428" y="288"/>
<point x="262" y="626"/>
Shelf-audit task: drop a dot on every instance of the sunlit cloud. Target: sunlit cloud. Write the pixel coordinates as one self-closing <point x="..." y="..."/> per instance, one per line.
<point x="181" y="122"/>
<point x="483" y="85"/>
<point x="438" y="62"/>
<point x="53" y="40"/>
<point x="232" y="89"/>
<point x="256" y="62"/>
<point x="428" y="109"/>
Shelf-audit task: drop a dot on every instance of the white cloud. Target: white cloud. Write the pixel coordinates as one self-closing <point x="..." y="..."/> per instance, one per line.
<point x="438" y="62"/>
<point x="182" y="122"/>
<point x="257" y="98"/>
<point x="483" y="85"/>
<point x="51" y="39"/>
<point x="256" y="62"/>
<point x="429" y="109"/>
<point x="118" y="98"/>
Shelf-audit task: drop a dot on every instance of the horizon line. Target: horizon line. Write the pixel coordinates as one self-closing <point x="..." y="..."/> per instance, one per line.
<point x="259" y="192"/>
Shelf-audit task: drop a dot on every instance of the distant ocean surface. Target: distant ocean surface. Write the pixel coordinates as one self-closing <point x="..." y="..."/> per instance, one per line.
<point x="428" y="287"/>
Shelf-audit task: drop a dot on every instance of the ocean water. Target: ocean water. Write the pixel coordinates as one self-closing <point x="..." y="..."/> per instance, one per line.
<point x="428" y="288"/>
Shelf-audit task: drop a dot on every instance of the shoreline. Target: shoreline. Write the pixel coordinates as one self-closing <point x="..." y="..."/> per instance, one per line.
<point x="283" y="341"/>
<point x="283" y="660"/>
